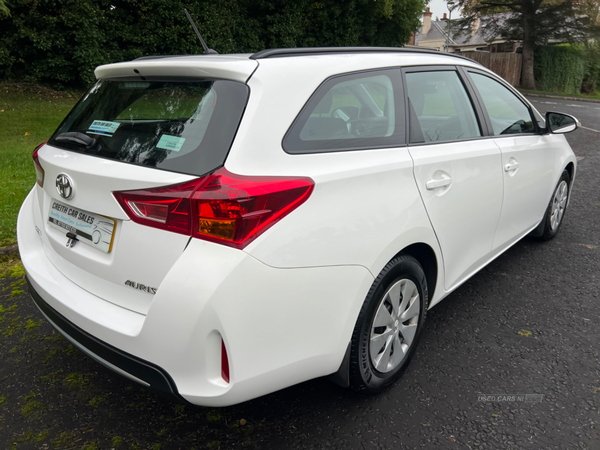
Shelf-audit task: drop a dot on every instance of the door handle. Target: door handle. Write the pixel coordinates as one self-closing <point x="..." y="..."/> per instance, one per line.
<point x="434" y="184"/>
<point x="511" y="166"/>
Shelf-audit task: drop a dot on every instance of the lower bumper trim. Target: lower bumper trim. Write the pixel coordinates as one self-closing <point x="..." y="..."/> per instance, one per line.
<point x="129" y="366"/>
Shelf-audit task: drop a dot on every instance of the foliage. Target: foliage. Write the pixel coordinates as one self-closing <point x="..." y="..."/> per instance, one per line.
<point x="532" y="22"/>
<point x="54" y="40"/>
<point x="539" y="21"/>
<point x="592" y="74"/>
<point x="560" y="68"/>
<point x="4" y="11"/>
<point x="61" y="41"/>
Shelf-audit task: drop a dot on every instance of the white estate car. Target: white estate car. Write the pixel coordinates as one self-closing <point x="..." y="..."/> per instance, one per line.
<point x="219" y="227"/>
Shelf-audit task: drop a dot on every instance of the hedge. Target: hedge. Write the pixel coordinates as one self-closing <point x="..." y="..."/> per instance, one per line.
<point x="60" y="42"/>
<point x="560" y="68"/>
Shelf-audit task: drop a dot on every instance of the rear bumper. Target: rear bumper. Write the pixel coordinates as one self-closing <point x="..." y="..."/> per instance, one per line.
<point x="280" y="326"/>
<point x="131" y="367"/>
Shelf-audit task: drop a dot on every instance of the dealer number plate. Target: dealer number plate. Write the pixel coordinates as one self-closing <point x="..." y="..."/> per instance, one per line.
<point x="92" y="229"/>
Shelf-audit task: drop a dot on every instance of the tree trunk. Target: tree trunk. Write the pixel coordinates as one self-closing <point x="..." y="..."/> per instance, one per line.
<point x="527" y="79"/>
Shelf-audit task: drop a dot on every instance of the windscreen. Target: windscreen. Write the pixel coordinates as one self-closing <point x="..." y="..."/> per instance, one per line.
<point x="181" y="126"/>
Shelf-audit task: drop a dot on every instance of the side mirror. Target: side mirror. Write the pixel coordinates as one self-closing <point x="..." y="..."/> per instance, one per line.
<point x="559" y="123"/>
<point x="346" y="113"/>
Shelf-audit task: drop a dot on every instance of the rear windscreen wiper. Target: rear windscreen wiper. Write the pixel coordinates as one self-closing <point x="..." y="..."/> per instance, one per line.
<point x="76" y="138"/>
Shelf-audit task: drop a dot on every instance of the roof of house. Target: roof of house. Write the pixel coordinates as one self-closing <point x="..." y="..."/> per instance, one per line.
<point x="439" y="30"/>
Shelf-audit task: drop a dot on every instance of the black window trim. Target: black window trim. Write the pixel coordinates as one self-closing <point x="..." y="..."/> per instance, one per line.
<point x="471" y="93"/>
<point x="397" y="82"/>
<point x="520" y="97"/>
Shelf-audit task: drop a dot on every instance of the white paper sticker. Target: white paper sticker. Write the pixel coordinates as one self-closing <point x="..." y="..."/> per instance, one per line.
<point x="103" y="127"/>
<point x="168" y="142"/>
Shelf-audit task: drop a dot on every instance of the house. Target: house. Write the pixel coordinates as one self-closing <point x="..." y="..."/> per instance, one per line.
<point x="440" y="35"/>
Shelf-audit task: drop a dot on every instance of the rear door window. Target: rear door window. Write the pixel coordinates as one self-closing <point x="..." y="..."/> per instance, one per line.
<point x="350" y="112"/>
<point x="440" y="108"/>
<point x="181" y="126"/>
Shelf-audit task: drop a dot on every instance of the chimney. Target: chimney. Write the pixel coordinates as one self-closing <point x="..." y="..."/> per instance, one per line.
<point x="426" y="21"/>
<point x="445" y="17"/>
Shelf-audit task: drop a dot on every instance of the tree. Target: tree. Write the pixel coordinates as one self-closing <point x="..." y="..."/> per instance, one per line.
<point x="309" y="23"/>
<point x="60" y="42"/>
<point x="4" y="9"/>
<point x="533" y="22"/>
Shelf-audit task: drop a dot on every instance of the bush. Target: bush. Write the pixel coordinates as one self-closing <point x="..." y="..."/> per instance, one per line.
<point x="57" y="41"/>
<point x="60" y="42"/>
<point x="592" y="74"/>
<point x="560" y="68"/>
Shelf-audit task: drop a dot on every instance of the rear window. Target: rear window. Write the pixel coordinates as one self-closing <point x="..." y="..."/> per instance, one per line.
<point x="181" y="126"/>
<point x="350" y="112"/>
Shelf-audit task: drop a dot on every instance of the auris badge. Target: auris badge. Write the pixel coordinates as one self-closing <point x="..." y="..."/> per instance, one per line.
<point x="140" y="287"/>
<point x="64" y="186"/>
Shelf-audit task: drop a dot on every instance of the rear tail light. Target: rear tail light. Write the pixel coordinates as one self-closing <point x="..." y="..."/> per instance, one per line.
<point x="220" y="207"/>
<point x="39" y="171"/>
<point x="166" y="207"/>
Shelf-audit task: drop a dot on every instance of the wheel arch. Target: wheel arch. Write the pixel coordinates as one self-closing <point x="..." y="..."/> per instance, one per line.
<point x="570" y="170"/>
<point x="428" y="261"/>
<point x="538" y="231"/>
<point x="421" y="243"/>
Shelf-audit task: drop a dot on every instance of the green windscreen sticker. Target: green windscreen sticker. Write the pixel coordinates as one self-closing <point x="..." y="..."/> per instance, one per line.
<point x="173" y="143"/>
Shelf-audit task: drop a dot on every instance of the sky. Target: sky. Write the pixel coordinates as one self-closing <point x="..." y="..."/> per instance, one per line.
<point x="439" y="7"/>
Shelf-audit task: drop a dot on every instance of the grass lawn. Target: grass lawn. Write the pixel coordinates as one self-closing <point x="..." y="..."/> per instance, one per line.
<point x="29" y="115"/>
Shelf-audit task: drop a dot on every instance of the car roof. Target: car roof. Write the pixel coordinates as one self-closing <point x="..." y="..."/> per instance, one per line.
<point x="239" y="67"/>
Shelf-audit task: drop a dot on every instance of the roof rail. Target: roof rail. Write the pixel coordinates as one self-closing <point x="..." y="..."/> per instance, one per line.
<point x="304" y="51"/>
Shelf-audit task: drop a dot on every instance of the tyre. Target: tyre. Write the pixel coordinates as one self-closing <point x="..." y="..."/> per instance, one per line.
<point x="555" y="212"/>
<point x="388" y="327"/>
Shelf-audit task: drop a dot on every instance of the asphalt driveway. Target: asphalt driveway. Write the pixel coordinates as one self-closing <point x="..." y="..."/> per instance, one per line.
<point x="525" y="331"/>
